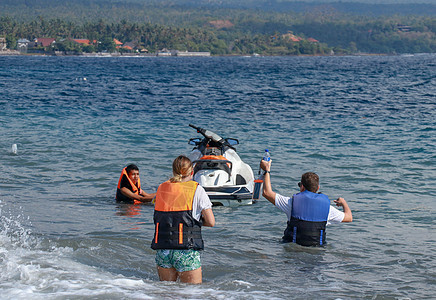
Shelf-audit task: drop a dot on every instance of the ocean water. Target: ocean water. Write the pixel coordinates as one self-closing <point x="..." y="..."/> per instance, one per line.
<point x="366" y="125"/>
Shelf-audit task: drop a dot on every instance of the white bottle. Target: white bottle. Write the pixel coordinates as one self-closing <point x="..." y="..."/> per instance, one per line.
<point x="266" y="155"/>
<point x="14" y="149"/>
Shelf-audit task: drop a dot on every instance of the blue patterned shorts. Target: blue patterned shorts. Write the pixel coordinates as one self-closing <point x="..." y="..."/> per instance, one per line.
<point x="181" y="260"/>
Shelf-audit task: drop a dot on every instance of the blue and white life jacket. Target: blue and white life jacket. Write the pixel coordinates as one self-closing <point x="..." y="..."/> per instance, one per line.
<point x="308" y="221"/>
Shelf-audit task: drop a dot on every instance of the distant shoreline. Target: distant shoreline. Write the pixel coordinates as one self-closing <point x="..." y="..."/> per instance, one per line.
<point x="17" y="53"/>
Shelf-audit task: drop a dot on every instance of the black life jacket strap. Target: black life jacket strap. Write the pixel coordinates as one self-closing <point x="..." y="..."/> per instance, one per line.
<point x="173" y="232"/>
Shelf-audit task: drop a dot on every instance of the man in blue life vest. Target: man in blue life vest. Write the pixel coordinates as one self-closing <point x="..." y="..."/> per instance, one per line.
<point x="308" y="211"/>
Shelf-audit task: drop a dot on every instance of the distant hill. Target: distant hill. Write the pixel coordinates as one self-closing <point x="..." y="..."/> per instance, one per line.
<point x="188" y="12"/>
<point x="272" y="27"/>
<point x="358" y="7"/>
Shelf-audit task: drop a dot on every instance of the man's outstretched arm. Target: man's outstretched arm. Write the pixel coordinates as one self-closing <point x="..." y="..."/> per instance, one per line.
<point x="268" y="193"/>
<point x="347" y="211"/>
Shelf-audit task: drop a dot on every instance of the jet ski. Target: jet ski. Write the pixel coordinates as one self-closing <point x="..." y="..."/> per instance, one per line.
<point x="228" y="181"/>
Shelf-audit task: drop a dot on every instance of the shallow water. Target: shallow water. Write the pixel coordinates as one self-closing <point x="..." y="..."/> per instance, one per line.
<point x="366" y="125"/>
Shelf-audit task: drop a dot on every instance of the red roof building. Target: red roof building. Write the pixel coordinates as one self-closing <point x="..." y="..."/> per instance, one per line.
<point x="292" y="37"/>
<point x="45" y="42"/>
<point x="312" y="40"/>
<point x="82" y="41"/>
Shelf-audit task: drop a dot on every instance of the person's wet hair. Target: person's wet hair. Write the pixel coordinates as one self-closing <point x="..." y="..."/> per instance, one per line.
<point x="310" y="181"/>
<point x="131" y="167"/>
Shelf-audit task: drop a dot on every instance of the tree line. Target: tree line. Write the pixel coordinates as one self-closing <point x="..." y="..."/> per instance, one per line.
<point x="153" y="38"/>
<point x="248" y="31"/>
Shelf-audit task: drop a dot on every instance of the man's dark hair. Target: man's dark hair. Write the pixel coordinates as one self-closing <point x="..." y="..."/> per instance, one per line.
<point x="131" y="167"/>
<point x="310" y="181"/>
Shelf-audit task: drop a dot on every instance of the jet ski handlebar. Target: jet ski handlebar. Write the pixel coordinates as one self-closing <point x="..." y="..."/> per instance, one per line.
<point x="209" y="134"/>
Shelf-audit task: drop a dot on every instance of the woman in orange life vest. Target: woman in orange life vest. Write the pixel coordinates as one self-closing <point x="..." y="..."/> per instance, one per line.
<point x="129" y="187"/>
<point x="182" y="207"/>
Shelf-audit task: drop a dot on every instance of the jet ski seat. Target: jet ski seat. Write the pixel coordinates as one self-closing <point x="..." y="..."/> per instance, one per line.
<point x="212" y="151"/>
<point x="213" y="162"/>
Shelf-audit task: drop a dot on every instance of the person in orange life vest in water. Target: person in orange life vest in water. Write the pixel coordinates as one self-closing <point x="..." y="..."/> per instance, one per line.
<point x="308" y="212"/>
<point x="182" y="207"/>
<point x="129" y="187"/>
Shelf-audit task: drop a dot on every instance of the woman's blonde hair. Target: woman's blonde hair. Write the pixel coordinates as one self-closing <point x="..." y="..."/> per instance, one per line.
<point x="182" y="167"/>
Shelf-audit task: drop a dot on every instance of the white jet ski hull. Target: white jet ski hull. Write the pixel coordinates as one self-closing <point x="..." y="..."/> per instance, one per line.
<point x="228" y="181"/>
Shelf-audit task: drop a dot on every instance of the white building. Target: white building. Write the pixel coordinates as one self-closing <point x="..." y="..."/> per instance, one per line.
<point x="186" y="53"/>
<point x="22" y="45"/>
<point x="2" y="44"/>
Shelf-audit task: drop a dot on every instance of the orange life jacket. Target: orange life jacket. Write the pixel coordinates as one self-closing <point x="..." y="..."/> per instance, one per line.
<point x="136" y="189"/>
<point x="175" y="227"/>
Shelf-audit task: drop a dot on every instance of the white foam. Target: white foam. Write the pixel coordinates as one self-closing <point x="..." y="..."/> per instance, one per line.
<point x="34" y="267"/>
<point x="244" y="283"/>
<point x="40" y="273"/>
<point x="33" y="271"/>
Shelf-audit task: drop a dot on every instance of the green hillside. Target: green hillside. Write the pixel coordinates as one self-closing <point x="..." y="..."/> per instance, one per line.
<point x="225" y="27"/>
